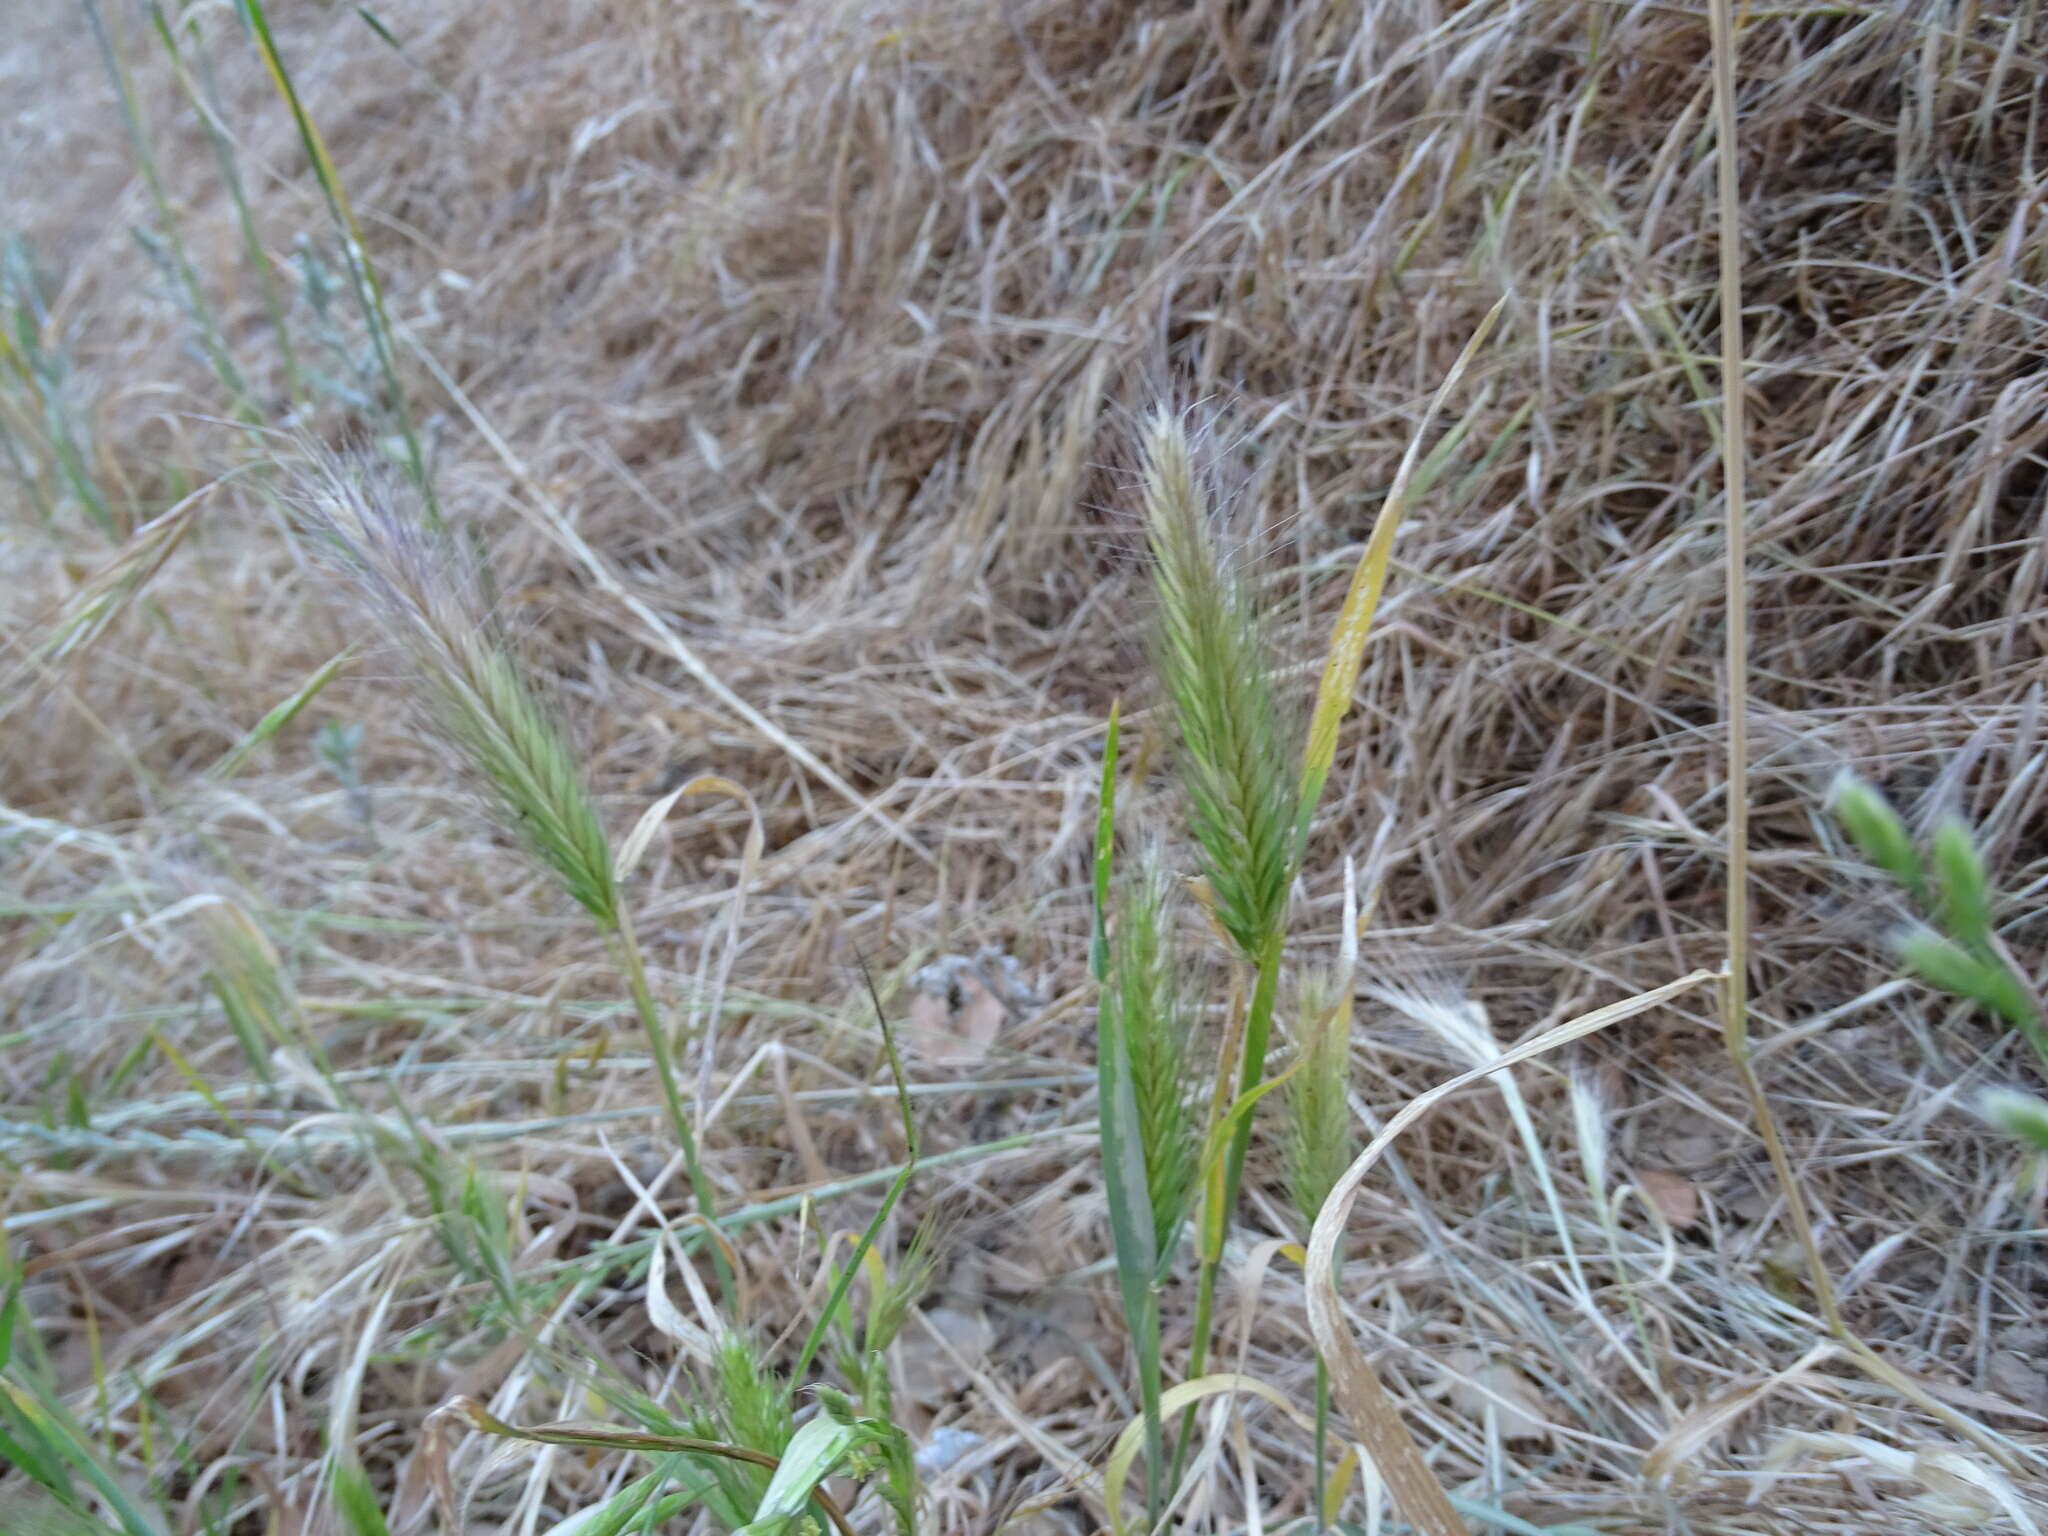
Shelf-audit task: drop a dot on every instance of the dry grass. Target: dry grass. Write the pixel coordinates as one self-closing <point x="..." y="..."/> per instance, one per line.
<point x="784" y="360"/>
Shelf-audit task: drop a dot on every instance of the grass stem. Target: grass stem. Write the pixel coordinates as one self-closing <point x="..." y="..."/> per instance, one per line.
<point x="627" y="944"/>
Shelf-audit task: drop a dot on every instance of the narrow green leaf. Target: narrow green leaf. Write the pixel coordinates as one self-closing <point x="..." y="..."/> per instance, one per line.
<point x="29" y="1451"/>
<point x="10" y="1309"/>
<point x="376" y="24"/>
<point x="281" y="715"/>
<point x="355" y="253"/>
<point x="1123" y="1154"/>
<point x="633" y="1503"/>
<point x="47" y="1418"/>
<point x="614" y="1514"/>
<point x="1131" y="1231"/>
<point x="813" y="1454"/>
<point x="827" y="1314"/>
<point x="1105" y="846"/>
<point x="357" y="1503"/>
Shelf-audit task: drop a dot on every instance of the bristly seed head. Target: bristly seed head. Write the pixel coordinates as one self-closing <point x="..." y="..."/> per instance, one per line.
<point x="1142" y="1003"/>
<point x="1320" y="1139"/>
<point x="1216" y="666"/>
<point x="476" y="693"/>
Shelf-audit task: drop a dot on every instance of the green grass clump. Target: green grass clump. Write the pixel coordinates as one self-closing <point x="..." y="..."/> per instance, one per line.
<point x="1250" y="800"/>
<point x="1150" y="1139"/>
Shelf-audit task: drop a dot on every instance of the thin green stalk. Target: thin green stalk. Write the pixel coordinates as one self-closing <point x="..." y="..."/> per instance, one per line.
<point x="1223" y="1192"/>
<point x="635" y="967"/>
<point x="197" y="309"/>
<point x="1258" y="1031"/>
<point x="1322" y="1487"/>
<point x="369" y="293"/>
<point x="1198" y="1364"/>
<point x="205" y="99"/>
<point x="822" y="1326"/>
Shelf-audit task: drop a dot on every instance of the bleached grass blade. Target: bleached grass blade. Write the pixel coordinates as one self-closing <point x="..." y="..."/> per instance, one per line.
<point x="1117" y="1470"/>
<point x="1374" y="1419"/>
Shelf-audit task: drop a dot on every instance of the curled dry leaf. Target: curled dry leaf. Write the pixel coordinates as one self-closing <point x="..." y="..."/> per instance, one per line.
<point x="935" y="1362"/>
<point x="1699" y="1426"/>
<point x="1479" y="1384"/>
<point x="1672" y="1195"/>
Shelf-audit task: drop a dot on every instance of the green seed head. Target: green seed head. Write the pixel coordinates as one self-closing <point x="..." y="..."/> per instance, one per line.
<point x="1142" y="1006"/>
<point x="1964" y="885"/>
<point x="1983" y="979"/>
<point x="1215" y="664"/>
<point x="1320" y="1138"/>
<point x="477" y="695"/>
<point x="1877" y="831"/>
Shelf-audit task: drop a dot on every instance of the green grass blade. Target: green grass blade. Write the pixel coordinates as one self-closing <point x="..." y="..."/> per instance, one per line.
<point x="812" y="1455"/>
<point x="1346" y="655"/>
<point x="1105" y="847"/>
<point x="281" y="715"/>
<point x="362" y="276"/>
<point x="356" y="1502"/>
<point x="177" y="261"/>
<point x="822" y="1327"/>
<point x="204" y="94"/>
<point x="1131" y="1223"/>
<point x="42" y="1414"/>
<point x="617" y="1512"/>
